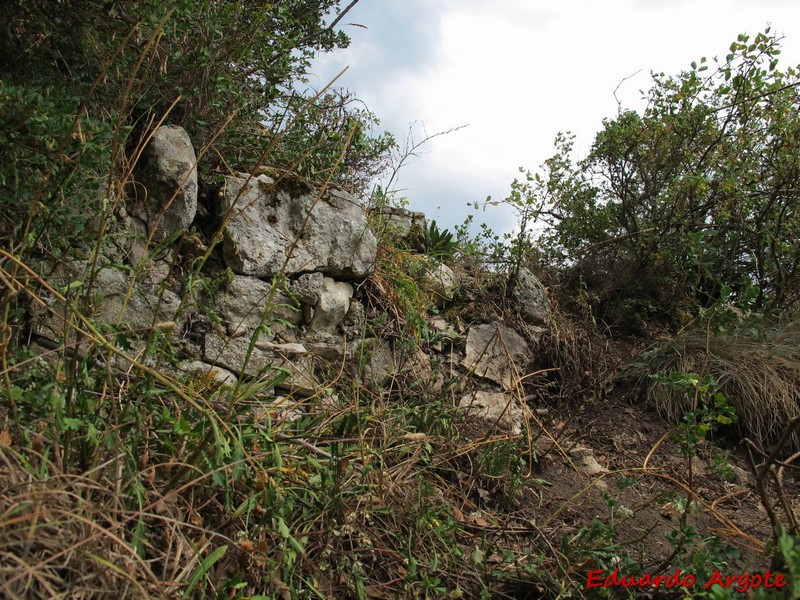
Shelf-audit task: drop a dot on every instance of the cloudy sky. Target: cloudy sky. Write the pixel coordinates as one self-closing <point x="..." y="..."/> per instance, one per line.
<point x="516" y="72"/>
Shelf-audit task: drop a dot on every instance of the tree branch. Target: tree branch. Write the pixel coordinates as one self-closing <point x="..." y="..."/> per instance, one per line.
<point x="341" y="15"/>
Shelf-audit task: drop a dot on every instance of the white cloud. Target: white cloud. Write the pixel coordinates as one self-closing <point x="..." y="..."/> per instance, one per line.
<point x="519" y="71"/>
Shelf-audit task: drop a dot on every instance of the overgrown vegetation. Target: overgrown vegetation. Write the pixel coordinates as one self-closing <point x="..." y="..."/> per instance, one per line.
<point x="695" y="194"/>
<point x="121" y="476"/>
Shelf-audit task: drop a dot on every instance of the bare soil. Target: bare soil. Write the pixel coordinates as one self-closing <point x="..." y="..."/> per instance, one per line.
<point x="619" y="438"/>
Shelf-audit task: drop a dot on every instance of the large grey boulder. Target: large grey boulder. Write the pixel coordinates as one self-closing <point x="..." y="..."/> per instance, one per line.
<point x="374" y="363"/>
<point x="496" y="408"/>
<point x="211" y="375"/>
<point x="136" y="308"/>
<point x="355" y="321"/>
<point x="328" y="346"/>
<point x="442" y="283"/>
<point x="167" y="170"/>
<point x="288" y="226"/>
<point x="417" y="373"/>
<point x="531" y="298"/>
<point x="308" y="287"/>
<point x="497" y="353"/>
<point x="287" y="367"/>
<point x="405" y="226"/>
<point x="151" y="266"/>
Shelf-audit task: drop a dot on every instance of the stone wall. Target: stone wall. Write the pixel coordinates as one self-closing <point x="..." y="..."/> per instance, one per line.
<point x="280" y="298"/>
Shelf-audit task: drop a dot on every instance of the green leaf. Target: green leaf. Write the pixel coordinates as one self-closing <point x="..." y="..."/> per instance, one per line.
<point x="204" y="568"/>
<point x="71" y="424"/>
<point x="283" y="530"/>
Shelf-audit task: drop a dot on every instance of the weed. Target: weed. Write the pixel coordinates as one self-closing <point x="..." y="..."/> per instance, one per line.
<point x="712" y="407"/>
<point x="440" y="243"/>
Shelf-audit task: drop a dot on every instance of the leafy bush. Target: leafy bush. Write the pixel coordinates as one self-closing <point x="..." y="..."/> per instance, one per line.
<point x="226" y="70"/>
<point x="219" y="56"/>
<point x="695" y="193"/>
<point x="49" y="159"/>
<point x="336" y="130"/>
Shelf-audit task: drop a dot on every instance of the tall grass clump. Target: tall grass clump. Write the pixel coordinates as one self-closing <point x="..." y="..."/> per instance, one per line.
<point x="757" y="370"/>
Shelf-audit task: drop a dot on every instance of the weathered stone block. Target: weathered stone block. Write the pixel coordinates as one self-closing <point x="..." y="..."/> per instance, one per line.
<point x="274" y="228"/>
<point x="167" y="171"/>
<point x="497" y="353"/>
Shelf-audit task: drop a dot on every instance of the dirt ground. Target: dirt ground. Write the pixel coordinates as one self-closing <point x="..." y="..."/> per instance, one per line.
<point x="620" y="438"/>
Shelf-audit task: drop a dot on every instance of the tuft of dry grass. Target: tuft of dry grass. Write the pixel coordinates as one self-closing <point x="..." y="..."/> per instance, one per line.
<point x="584" y="359"/>
<point x="70" y="535"/>
<point x="759" y="373"/>
<point x="62" y="536"/>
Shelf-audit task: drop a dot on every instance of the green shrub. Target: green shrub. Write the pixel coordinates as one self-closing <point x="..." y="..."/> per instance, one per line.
<point x="53" y="166"/>
<point x="693" y="194"/>
<point x="226" y="70"/>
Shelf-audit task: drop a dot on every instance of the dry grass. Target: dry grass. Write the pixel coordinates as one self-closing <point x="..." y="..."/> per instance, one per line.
<point x="63" y="536"/>
<point x="759" y="375"/>
<point x="583" y="360"/>
<point x="68" y="535"/>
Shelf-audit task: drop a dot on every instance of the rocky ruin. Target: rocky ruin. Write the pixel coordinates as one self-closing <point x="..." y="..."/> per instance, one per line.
<point x="285" y="306"/>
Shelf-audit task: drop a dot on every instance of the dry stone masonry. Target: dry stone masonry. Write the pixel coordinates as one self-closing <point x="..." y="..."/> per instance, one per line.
<point x="272" y="228"/>
<point x="284" y="307"/>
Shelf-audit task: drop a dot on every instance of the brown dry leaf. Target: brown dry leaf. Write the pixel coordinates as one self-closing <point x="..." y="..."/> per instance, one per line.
<point x="196" y="519"/>
<point x="372" y="501"/>
<point x="165" y="504"/>
<point x="5" y="437"/>
<point x="78" y="133"/>
<point x="478" y="519"/>
<point x="38" y="443"/>
<point x="144" y="459"/>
